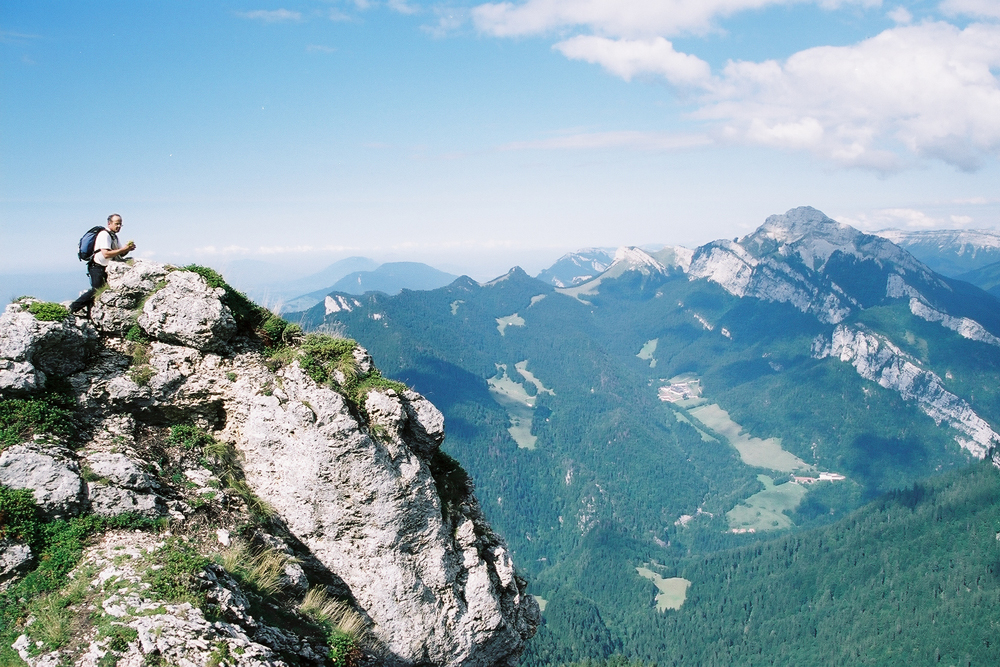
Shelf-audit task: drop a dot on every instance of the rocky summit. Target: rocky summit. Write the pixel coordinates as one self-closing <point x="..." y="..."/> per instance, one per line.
<point x="253" y="495"/>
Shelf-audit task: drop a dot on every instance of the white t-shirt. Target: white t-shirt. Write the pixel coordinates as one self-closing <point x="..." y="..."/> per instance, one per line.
<point x="104" y="242"/>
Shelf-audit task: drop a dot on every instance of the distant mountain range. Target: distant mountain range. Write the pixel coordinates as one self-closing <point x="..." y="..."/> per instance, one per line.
<point x="625" y="426"/>
<point x="950" y="252"/>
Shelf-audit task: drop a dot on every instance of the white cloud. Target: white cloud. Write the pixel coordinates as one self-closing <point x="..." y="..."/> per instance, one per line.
<point x="656" y="141"/>
<point x="901" y="16"/>
<point x="925" y="90"/>
<point x="981" y="8"/>
<point x="893" y="218"/>
<point x="621" y="18"/>
<point x="905" y="218"/>
<point x="402" y="6"/>
<point x="626" y="58"/>
<point x="271" y="15"/>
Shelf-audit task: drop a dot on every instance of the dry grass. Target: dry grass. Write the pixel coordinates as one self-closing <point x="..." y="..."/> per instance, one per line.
<point x="53" y="622"/>
<point x="337" y="614"/>
<point x="261" y="569"/>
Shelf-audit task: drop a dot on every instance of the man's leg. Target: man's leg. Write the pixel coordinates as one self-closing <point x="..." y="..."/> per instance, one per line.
<point x="98" y="276"/>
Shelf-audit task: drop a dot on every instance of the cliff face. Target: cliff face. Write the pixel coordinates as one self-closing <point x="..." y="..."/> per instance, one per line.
<point x="359" y="492"/>
<point x="875" y="358"/>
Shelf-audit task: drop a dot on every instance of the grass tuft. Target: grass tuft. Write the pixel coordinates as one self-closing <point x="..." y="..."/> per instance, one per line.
<point x="260" y="570"/>
<point x="344" y="626"/>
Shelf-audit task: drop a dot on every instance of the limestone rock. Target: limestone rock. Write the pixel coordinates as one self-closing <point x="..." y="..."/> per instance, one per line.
<point x="411" y="416"/>
<point x="425" y="423"/>
<point x="128" y="284"/>
<point x="357" y="492"/>
<point x="15" y="558"/>
<point x="31" y="349"/>
<point x="875" y="358"/>
<point x="107" y="500"/>
<point x="20" y="377"/>
<point x="120" y="470"/>
<point x="50" y="473"/>
<point x="369" y="509"/>
<point x="186" y="311"/>
<point x="123" y="487"/>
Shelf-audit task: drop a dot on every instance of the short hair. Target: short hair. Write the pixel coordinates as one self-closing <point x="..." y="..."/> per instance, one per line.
<point x="114" y="215"/>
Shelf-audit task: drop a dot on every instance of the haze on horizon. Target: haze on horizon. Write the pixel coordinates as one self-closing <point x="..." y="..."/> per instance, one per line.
<point x="475" y="136"/>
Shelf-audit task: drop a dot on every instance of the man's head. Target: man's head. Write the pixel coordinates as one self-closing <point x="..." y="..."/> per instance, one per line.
<point x="114" y="222"/>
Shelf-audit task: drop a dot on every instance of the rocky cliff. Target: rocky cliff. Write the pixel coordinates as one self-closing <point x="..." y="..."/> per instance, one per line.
<point x="239" y="440"/>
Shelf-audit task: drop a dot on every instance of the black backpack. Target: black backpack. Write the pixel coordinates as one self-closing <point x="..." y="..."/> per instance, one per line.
<point x="87" y="241"/>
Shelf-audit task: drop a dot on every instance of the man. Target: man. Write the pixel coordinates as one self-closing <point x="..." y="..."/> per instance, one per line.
<point x="106" y="248"/>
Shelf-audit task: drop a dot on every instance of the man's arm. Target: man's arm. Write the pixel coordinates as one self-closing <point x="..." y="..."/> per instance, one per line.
<point x="110" y="254"/>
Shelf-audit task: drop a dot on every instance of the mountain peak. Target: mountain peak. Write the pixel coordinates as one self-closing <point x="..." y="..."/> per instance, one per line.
<point x="798" y="223"/>
<point x="516" y="274"/>
<point x="630" y="258"/>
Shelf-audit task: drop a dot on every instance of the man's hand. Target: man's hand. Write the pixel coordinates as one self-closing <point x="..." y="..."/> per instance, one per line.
<point x="110" y="254"/>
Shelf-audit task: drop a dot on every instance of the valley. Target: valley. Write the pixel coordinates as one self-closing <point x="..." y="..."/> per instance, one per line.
<point x="671" y="414"/>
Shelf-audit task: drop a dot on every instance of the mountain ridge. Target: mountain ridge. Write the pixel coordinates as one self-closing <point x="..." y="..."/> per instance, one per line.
<point x="198" y="408"/>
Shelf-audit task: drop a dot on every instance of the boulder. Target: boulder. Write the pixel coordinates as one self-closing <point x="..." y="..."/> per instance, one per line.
<point x="20" y="377"/>
<point x="120" y="470"/>
<point x="410" y="416"/>
<point x="108" y="500"/>
<point x="15" y="558"/>
<point x="122" y="487"/>
<point x="50" y="473"/>
<point x="186" y="311"/>
<point x="114" y="311"/>
<point x="31" y="350"/>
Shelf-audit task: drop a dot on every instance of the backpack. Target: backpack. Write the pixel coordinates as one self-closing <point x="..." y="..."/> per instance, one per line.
<point x="87" y="241"/>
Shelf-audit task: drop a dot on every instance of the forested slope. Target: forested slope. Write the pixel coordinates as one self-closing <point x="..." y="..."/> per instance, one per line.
<point x="912" y="578"/>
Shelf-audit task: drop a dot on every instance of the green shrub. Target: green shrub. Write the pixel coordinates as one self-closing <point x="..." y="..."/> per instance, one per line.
<point x="344" y="651"/>
<point x="136" y="334"/>
<point x="176" y="580"/>
<point x="140" y="372"/>
<point x="271" y="330"/>
<point x="51" y="413"/>
<point x="59" y="545"/>
<point x="322" y="355"/>
<point x="189" y="436"/>
<point x="249" y="316"/>
<point x="48" y="312"/>
<point x="18" y="514"/>
<point x="121" y="636"/>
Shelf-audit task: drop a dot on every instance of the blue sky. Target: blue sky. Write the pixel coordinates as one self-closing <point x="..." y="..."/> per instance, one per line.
<point x="475" y="136"/>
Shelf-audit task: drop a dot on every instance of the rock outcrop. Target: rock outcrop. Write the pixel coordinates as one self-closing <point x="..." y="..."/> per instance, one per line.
<point x="875" y="358"/>
<point x="31" y="349"/>
<point x="357" y="483"/>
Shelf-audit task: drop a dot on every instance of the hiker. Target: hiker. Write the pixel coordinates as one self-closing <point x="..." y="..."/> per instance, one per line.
<point x="106" y="248"/>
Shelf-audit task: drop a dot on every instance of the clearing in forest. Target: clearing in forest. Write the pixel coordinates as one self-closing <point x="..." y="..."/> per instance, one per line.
<point x="514" y="320"/>
<point x="522" y="368"/>
<point x="673" y="590"/>
<point x="753" y="451"/>
<point x="519" y="405"/>
<point x="765" y="509"/>
<point x="646" y="353"/>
